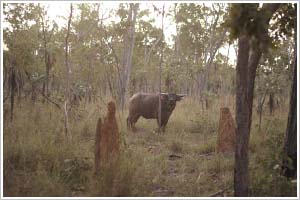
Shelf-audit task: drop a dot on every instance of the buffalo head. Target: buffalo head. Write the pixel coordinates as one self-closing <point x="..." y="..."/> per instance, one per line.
<point x="170" y="99"/>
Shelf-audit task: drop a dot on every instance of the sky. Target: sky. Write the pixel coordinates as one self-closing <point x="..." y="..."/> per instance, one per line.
<point x="63" y="8"/>
<point x="57" y="9"/>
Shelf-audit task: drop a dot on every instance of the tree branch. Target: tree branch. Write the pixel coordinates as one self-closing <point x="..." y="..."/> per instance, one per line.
<point x="50" y="100"/>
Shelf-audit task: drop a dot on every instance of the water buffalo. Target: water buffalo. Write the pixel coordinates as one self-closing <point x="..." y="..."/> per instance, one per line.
<point x="147" y="105"/>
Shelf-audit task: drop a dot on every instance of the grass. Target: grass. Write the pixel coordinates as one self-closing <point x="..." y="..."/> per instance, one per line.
<point x="39" y="161"/>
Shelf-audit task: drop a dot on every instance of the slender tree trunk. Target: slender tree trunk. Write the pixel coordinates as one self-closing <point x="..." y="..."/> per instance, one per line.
<point x="271" y="103"/>
<point x="160" y="67"/>
<point x="67" y="75"/>
<point x="127" y="53"/>
<point x="48" y="66"/>
<point x="46" y="82"/>
<point x="261" y="108"/>
<point x="19" y="81"/>
<point x="144" y="78"/>
<point x="12" y="88"/>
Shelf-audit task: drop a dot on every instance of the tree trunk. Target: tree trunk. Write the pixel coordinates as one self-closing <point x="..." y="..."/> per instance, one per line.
<point x="46" y="82"/>
<point x="127" y="53"/>
<point x="271" y="103"/>
<point x="12" y="89"/>
<point x="160" y="67"/>
<point x="67" y="75"/>
<point x="248" y="59"/>
<point x="242" y="119"/>
<point x="289" y="168"/>
<point x="249" y="54"/>
<point x="260" y="109"/>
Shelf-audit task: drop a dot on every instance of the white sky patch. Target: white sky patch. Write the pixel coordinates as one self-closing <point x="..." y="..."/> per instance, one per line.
<point x="59" y="11"/>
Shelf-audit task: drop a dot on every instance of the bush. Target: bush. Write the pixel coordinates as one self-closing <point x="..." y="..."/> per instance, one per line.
<point x="265" y="164"/>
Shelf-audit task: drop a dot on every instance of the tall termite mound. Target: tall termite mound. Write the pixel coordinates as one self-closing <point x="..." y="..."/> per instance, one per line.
<point x="107" y="138"/>
<point x="227" y="131"/>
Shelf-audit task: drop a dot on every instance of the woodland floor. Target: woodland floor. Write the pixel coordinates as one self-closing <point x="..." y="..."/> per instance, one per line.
<point x="40" y="161"/>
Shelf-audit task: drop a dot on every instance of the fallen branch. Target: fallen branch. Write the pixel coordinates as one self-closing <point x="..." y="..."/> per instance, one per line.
<point x="5" y="98"/>
<point x="207" y="154"/>
<point x="220" y="192"/>
<point x="174" y="157"/>
<point x="50" y="100"/>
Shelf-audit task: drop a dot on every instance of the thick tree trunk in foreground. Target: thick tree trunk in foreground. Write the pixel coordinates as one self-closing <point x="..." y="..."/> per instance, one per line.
<point x="249" y="54"/>
<point x="248" y="59"/>
<point x="242" y="119"/>
<point x="289" y="168"/>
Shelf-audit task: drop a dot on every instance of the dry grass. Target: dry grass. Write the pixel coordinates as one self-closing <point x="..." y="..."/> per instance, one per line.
<point x="40" y="161"/>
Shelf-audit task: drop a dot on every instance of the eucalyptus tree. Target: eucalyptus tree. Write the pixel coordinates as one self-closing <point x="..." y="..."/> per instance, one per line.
<point x="128" y="41"/>
<point x="250" y="24"/>
<point x="21" y="40"/>
<point x="273" y="76"/>
<point x="132" y="33"/>
<point x="146" y="53"/>
<point x="287" y="22"/>
<point x="87" y="52"/>
<point x="47" y="28"/>
<point x="67" y="74"/>
<point x="200" y="35"/>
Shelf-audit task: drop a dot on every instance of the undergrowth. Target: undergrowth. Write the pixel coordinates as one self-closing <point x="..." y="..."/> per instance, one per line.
<point x="40" y="161"/>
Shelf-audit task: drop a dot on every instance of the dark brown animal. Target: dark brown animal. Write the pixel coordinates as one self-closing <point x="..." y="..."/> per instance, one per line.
<point x="107" y="138"/>
<point x="147" y="105"/>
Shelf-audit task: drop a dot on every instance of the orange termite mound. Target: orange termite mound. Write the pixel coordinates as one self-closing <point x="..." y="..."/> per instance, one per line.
<point x="227" y="131"/>
<point x="107" y="138"/>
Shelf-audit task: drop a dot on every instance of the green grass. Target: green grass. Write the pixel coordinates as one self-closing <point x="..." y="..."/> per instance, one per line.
<point x="39" y="160"/>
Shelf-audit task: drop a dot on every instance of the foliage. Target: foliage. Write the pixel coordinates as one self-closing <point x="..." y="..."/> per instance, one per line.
<point x="285" y="21"/>
<point x="266" y="168"/>
<point x="274" y="72"/>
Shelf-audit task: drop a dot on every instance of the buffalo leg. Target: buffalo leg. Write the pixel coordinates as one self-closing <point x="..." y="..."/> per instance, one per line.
<point x="131" y="120"/>
<point x="134" y="120"/>
<point x="163" y="124"/>
<point x="128" y="123"/>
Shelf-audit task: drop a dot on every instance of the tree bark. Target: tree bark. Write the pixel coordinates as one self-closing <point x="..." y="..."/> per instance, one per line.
<point x="242" y="119"/>
<point x="67" y="75"/>
<point x="249" y="54"/>
<point x="271" y="103"/>
<point x="127" y="53"/>
<point x="289" y="168"/>
<point x="248" y="58"/>
<point x="12" y="88"/>
<point x="160" y="67"/>
<point x="47" y="56"/>
<point x="260" y="109"/>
